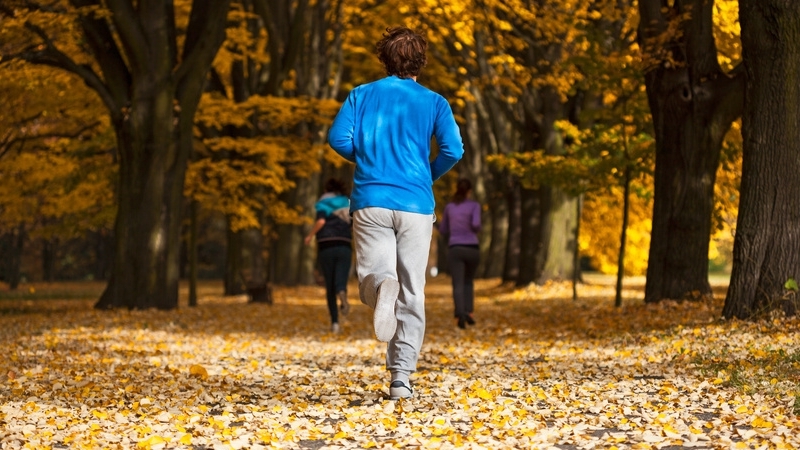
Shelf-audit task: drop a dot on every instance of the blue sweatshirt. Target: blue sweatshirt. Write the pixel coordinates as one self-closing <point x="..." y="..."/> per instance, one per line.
<point x="385" y="128"/>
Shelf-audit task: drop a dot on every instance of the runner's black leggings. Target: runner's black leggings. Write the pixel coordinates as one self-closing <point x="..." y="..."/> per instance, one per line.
<point x="463" y="261"/>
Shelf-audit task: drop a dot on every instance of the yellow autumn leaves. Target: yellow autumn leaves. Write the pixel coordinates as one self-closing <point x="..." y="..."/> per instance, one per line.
<point x="539" y="370"/>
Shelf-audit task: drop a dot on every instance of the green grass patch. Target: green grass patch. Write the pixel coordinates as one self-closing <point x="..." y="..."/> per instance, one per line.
<point x="767" y="371"/>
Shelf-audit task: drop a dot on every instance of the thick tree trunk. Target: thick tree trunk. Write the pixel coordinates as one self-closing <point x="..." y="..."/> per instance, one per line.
<point x="766" y="251"/>
<point x="531" y="253"/>
<point x="558" y="237"/>
<point x="687" y="156"/>
<point x="549" y="217"/>
<point x="146" y="266"/>
<point x="152" y="102"/>
<point x="693" y="104"/>
<point x="547" y="236"/>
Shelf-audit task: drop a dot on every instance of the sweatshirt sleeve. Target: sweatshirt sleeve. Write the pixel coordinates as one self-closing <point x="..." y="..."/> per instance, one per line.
<point x="448" y="138"/>
<point x="342" y="131"/>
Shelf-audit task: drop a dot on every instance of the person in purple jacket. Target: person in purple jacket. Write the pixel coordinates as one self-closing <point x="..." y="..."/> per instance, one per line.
<point x="385" y="127"/>
<point x="461" y="223"/>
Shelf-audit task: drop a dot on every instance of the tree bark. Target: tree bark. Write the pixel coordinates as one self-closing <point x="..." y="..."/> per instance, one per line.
<point x="693" y="104"/>
<point x="192" y="252"/>
<point x="498" y="219"/>
<point x="16" y="245"/>
<point x="513" y="253"/>
<point x="549" y="216"/>
<point x="153" y="114"/>
<point x="531" y="253"/>
<point x="49" y="247"/>
<point x="233" y="283"/>
<point x="766" y="252"/>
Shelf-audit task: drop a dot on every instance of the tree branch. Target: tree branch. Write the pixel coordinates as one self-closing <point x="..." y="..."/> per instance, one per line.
<point x="52" y="56"/>
<point x="107" y="54"/>
<point x="204" y="35"/>
<point x="130" y="32"/>
<point x="9" y="140"/>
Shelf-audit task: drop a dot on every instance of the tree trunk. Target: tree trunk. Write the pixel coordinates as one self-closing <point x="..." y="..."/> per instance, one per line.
<point x="498" y="219"/>
<point x="291" y="261"/>
<point x="514" y="235"/>
<point x="233" y="283"/>
<point x="558" y="236"/>
<point x="13" y="262"/>
<point x="687" y="156"/>
<point x="623" y="235"/>
<point x="48" y="259"/>
<point x="693" y="104"/>
<point x="531" y="253"/>
<point x="192" y="252"/>
<point x="549" y="216"/>
<point x="145" y="273"/>
<point x="103" y="244"/>
<point x="152" y="96"/>
<point x="766" y="252"/>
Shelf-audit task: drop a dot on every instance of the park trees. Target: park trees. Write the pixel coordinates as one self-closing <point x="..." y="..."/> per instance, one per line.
<point x="269" y="99"/>
<point x="766" y="257"/>
<point x="693" y="102"/>
<point x="516" y="78"/>
<point x="148" y="63"/>
<point x="518" y="75"/>
<point x="55" y="160"/>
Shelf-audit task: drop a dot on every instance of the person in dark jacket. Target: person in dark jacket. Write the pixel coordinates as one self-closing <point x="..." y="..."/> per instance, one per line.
<point x="334" y="235"/>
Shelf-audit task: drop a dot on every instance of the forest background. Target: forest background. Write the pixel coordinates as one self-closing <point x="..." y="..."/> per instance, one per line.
<point x="142" y="146"/>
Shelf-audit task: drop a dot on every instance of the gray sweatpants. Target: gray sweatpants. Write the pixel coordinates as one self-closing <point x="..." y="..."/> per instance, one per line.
<point x="395" y="244"/>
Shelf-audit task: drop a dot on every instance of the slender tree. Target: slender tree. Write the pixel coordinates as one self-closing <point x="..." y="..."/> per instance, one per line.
<point x="766" y="252"/>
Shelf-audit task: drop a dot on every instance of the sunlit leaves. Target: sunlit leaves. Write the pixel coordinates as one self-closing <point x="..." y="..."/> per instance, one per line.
<point x="55" y="154"/>
<point x="727" y="32"/>
<point x="242" y="176"/>
<point x="19" y="33"/>
<point x="539" y="370"/>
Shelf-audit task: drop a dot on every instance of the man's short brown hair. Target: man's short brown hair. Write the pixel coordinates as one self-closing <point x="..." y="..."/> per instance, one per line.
<point x="402" y="52"/>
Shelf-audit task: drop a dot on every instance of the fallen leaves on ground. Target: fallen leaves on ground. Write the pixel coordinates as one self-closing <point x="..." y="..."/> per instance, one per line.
<point x="539" y="370"/>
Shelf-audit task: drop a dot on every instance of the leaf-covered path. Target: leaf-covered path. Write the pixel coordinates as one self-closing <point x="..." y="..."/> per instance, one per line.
<point x="539" y="370"/>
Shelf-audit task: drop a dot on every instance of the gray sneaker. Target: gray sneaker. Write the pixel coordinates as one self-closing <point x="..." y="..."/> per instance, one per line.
<point x="398" y="390"/>
<point x="367" y="291"/>
<point x="384" y="319"/>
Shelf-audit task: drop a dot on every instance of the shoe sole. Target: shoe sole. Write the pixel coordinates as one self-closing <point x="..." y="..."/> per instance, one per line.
<point x="384" y="319"/>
